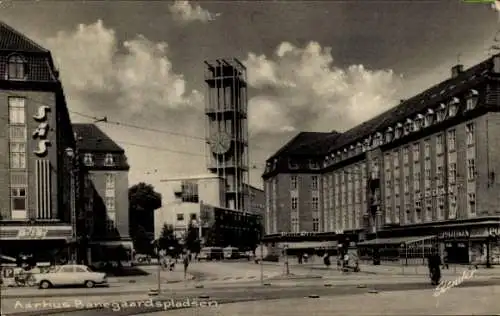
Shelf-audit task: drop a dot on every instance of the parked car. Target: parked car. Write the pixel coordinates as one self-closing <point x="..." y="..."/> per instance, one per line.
<point x="66" y="275"/>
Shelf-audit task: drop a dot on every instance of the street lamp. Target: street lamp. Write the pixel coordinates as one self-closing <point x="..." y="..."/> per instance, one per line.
<point x="73" y="158"/>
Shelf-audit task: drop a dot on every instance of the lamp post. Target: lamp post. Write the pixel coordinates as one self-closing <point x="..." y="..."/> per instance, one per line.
<point x="73" y="158"/>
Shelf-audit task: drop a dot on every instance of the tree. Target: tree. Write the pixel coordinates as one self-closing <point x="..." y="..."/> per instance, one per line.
<point x="143" y="201"/>
<point x="143" y="241"/>
<point x="191" y="239"/>
<point x="167" y="240"/>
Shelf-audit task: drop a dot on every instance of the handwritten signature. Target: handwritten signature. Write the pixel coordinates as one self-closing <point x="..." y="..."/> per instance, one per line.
<point x="444" y="286"/>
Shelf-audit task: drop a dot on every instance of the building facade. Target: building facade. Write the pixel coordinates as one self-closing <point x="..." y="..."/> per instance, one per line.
<point x="105" y="209"/>
<point x="54" y="204"/>
<point x="35" y="171"/>
<point x="424" y="168"/>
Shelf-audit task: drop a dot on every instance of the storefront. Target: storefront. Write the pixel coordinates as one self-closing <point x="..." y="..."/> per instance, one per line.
<point x="119" y="252"/>
<point x="45" y="243"/>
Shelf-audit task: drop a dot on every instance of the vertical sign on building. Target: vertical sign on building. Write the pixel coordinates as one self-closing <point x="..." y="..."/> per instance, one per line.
<point x="42" y="167"/>
<point x="41" y="131"/>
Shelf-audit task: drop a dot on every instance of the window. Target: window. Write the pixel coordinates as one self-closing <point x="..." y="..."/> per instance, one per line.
<point x="313" y="164"/>
<point x="88" y="159"/>
<point x="451" y="140"/>
<point x="18" y="199"/>
<point x="111" y="221"/>
<point x="395" y="156"/>
<point x="314" y="183"/>
<point x="193" y="216"/>
<point x="416" y="152"/>
<point x="109" y="160"/>
<point x="397" y="214"/>
<point x="441" y="113"/>
<point x="428" y="210"/>
<point x="315" y="203"/>
<point x="67" y="269"/>
<point x="80" y="269"/>
<point x="427" y="148"/>
<point x="397" y="132"/>
<point x="387" y="162"/>
<point x="471" y="103"/>
<point x="293" y="165"/>
<point x="439" y="176"/>
<point x="295" y="225"/>
<point x="471" y="169"/>
<point x="293" y="182"/>
<point x="397" y="185"/>
<point x="180" y="217"/>
<point x="472" y="203"/>
<point x="17" y="68"/>
<point x="469" y="130"/>
<point x="110" y="181"/>
<point x="440" y="209"/>
<point x="453" y="109"/>
<point x="17" y="155"/>
<point x="406" y="151"/>
<point x="388" y="214"/>
<point x="408" y="127"/>
<point x="407" y="184"/>
<point x="110" y="203"/>
<point x="452" y="173"/>
<point x="416" y="179"/>
<point x="315" y="224"/>
<point x="295" y="203"/>
<point x="429" y="119"/>
<point x="439" y="144"/>
<point x="17" y="114"/>
<point x="17" y="133"/>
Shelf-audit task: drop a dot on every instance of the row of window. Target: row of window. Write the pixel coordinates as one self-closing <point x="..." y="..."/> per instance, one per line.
<point x="192" y="217"/>
<point x="438" y="115"/>
<point x="88" y="160"/>
<point x="295" y="225"/>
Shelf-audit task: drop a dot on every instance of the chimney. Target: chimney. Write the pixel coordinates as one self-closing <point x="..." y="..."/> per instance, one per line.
<point x="456" y="70"/>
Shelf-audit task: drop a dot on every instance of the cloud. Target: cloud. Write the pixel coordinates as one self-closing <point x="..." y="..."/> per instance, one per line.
<point x="183" y="11"/>
<point x="301" y="89"/>
<point x="134" y="76"/>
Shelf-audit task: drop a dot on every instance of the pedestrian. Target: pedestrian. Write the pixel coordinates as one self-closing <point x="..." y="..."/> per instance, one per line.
<point x="445" y="260"/>
<point x="299" y="258"/>
<point x="306" y="256"/>
<point x="186" y="264"/>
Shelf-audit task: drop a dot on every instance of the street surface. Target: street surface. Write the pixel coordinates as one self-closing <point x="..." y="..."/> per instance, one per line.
<point x="226" y="296"/>
<point x="226" y="282"/>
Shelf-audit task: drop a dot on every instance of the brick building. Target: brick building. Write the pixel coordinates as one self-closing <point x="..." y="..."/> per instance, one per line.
<point x="45" y="207"/>
<point x="425" y="169"/>
<point x="105" y="211"/>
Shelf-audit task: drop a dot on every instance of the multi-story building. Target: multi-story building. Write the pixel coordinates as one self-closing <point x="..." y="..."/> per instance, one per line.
<point x="45" y="173"/>
<point x="35" y="170"/>
<point x="423" y="169"/>
<point x="184" y="199"/>
<point x="105" y="213"/>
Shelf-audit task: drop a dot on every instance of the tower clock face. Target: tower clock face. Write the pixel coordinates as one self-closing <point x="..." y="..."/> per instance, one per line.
<point x="220" y="143"/>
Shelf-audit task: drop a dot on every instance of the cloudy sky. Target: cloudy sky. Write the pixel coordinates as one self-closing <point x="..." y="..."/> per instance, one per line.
<point x="312" y="66"/>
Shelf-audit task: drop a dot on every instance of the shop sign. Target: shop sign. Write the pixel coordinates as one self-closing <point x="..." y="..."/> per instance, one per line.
<point x="7" y="273"/>
<point x="32" y="233"/>
<point x="485" y="231"/>
<point x="339" y="231"/>
<point x="301" y="234"/>
<point x="455" y="233"/>
<point x="42" y="130"/>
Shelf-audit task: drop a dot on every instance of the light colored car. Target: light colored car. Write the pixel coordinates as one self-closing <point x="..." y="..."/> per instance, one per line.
<point x="70" y="275"/>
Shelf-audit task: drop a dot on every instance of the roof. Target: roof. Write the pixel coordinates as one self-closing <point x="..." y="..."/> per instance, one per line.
<point x="89" y="137"/>
<point x="13" y="40"/>
<point x="195" y="177"/>
<point x="301" y="139"/>
<point x="417" y="104"/>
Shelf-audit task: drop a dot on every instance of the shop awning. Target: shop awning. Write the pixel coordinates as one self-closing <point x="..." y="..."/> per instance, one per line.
<point x="396" y="241"/>
<point x="308" y="244"/>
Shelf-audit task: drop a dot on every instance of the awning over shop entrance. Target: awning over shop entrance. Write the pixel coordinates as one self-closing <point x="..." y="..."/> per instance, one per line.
<point x="405" y="241"/>
<point x="308" y="245"/>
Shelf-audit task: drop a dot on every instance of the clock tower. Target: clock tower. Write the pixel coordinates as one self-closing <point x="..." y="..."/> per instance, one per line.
<point x="227" y="128"/>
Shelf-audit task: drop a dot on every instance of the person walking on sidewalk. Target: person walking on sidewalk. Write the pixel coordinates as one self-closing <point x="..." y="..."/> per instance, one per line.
<point x="186" y="264"/>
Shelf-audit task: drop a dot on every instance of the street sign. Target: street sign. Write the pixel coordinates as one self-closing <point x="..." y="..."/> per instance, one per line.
<point x="7" y="273"/>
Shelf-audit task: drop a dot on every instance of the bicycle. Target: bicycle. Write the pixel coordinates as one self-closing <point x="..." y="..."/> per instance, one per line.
<point x="25" y="279"/>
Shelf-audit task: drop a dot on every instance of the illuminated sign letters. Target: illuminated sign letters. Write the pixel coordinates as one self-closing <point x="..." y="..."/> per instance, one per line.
<point x="32" y="233"/>
<point x="42" y="131"/>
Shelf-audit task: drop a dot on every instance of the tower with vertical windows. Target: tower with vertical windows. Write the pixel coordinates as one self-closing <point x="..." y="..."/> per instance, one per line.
<point x="227" y="127"/>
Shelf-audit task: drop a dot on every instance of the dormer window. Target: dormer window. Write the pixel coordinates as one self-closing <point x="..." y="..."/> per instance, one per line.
<point x="472" y="98"/>
<point x="397" y="130"/>
<point x="293" y="165"/>
<point x="377" y="139"/>
<point x="109" y="160"/>
<point x="268" y="167"/>
<point x="419" y="120"/>
<point x="313" y="164"/>
<point x="359" y="148"/>
<point x="408" y="126"/>
<point x="17" y="68"/>
<point x="88" y="160"/>
<point x="441" y="112"/>
<point x="429" y="118"/>
<point x="388" y="134"/>
<point x="366" y="144"/>
<point x="453" y="108"/>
